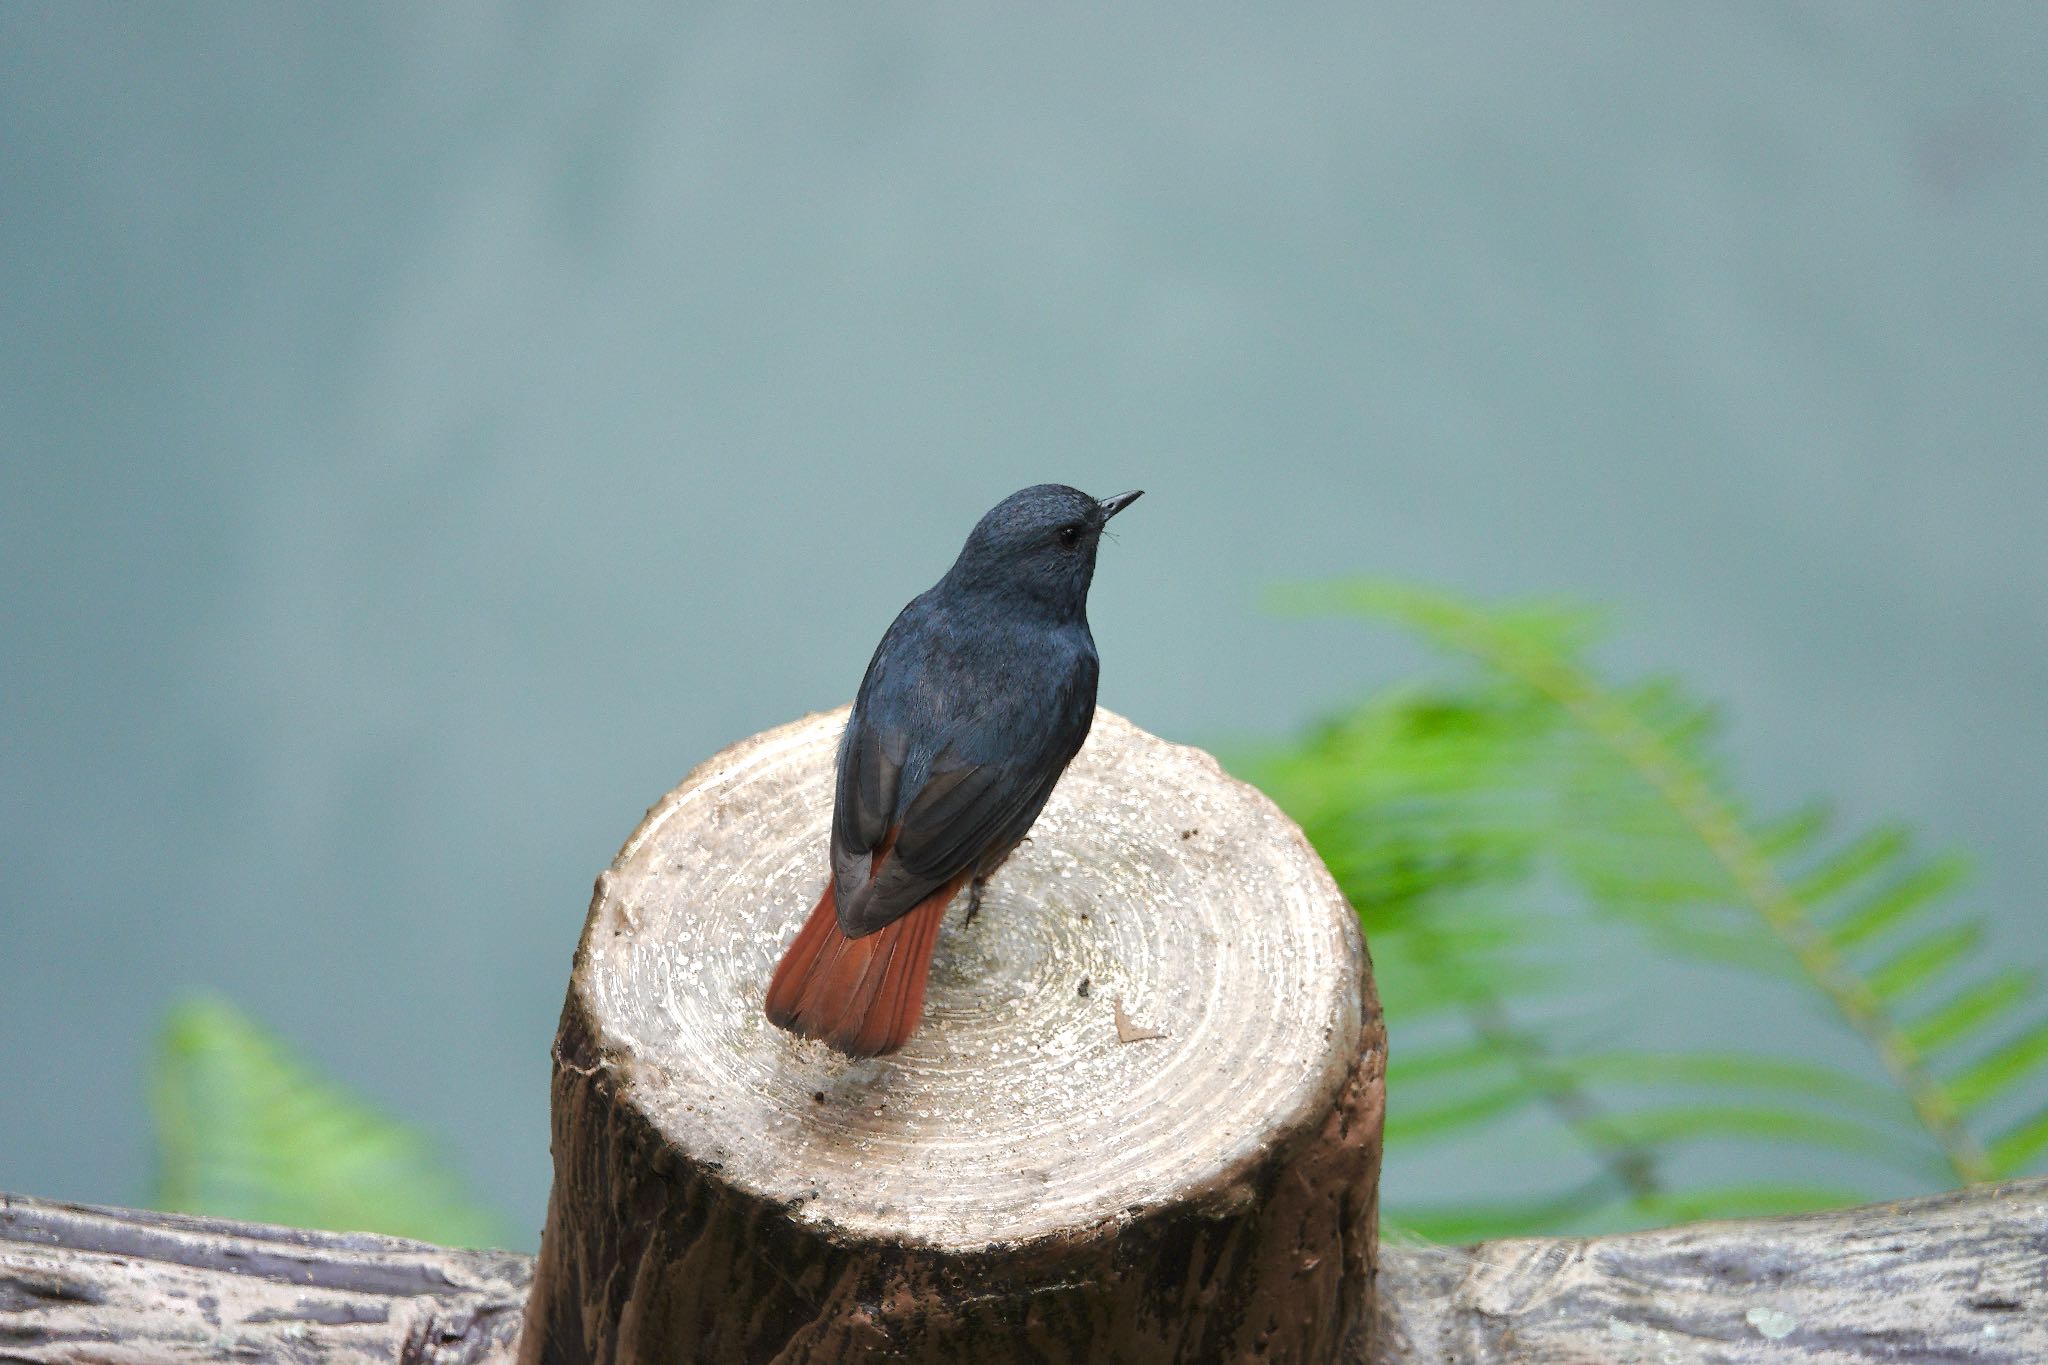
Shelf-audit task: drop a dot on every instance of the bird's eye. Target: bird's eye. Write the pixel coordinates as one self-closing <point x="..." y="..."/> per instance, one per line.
<point x="1070" y="536"/>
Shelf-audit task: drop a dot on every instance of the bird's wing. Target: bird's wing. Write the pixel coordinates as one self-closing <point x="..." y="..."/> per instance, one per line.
<point x="891" y="847"/>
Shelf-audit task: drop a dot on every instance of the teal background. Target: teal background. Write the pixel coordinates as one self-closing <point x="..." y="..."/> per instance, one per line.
<point x="430" y="430"/>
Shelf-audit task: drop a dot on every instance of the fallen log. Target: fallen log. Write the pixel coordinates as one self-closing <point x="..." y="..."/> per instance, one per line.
<point x="116" y="1286"/>
<point x="1954" y="1277"/>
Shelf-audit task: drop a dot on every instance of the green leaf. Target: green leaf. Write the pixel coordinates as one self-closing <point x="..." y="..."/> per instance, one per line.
<point x="1919" y="962"/>
<point x="2019" y="1146"/>
<point x="1481" y="1220"/>
<point x="1728" y="948"/>
<point x="1871" y="917"/>
<point x="2017" y="1060"/>
<point x="1416" y="1066"/>
<point x="1793" y="833"/>
<point x="1846" y="866"/>
<point x="1741" y="1071"/>
<point x="1963" y="1013"/>
<point x="1675" y="1124"/>
<point x="246" y="1130"/>
<point x="1409" y="1121"/>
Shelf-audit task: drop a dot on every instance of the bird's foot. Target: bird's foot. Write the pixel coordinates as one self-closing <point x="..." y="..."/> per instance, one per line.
<point x="979" y="885"/>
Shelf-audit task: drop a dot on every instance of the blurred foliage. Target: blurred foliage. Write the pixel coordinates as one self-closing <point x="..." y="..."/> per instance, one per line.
<point x="1492" y="822"/>
<point x="246" y="1130"/>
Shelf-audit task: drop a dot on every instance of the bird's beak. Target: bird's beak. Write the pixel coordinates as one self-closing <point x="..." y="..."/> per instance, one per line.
<point x="1112" y="506"/>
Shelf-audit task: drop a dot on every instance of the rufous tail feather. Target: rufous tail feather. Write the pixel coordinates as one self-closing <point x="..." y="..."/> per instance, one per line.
<point x="863" y="996"/>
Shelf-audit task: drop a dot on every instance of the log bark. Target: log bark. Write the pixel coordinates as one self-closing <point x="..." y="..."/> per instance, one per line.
<point x="1956" y="1277"/>
<point x="115" y="1286"/>
<point x="1141" y="1121"/>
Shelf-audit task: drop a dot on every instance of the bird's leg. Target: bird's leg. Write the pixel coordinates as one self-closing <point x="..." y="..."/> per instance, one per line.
<point x="980" y="884"/>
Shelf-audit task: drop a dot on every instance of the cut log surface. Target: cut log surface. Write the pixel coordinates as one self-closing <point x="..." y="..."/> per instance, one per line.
<point x="1032" y="1177"/>
<point x="117" y="1286"/>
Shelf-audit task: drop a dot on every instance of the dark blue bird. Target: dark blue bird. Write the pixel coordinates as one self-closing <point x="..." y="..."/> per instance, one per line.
<point x="976" y="700"/>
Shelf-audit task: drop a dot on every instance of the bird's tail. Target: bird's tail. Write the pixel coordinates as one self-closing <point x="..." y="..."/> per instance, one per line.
<point x="862" y="995"/>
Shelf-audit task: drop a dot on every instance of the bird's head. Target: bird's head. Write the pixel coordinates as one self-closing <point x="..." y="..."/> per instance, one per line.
<point x="1039" y="544"/>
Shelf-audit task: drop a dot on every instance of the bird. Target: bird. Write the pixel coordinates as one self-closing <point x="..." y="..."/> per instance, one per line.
<point x="979" y="695"/>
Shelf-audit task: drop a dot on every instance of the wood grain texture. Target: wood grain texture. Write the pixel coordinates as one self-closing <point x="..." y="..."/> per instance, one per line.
<point x="79" y="1283"/>
<point x="1019" y="1182"/>
<point x="1952" y="1278"/>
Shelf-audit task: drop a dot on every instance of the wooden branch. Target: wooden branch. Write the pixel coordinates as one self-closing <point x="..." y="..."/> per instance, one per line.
<point x="115" y="1286"/>
<point x="1956" y="1277"/>
<point x="1141" y="1121"/>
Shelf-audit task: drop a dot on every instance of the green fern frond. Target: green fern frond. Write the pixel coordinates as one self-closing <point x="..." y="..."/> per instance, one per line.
<point x="1665" y="1127"/>
<point x="246" y="1130"/>
<point x="1920" y="963"/>
<point x="1657" y="740"/>
<point x="2021" y="1146"/>
<point x="1990" y="1077"/>
<point x="1420" y="1120"/>
<point x="1480" y="1220"/>
<point x="1909" y="888"/>
<point x="1727" y="947"/>
<point x="1738" y="1072"/>
<point x="1456" y="813"/>
<point x="1973" y="1009"/>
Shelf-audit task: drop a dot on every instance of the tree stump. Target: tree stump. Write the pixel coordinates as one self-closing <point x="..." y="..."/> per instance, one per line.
<point x="1032" y="1178"/>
